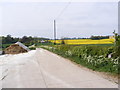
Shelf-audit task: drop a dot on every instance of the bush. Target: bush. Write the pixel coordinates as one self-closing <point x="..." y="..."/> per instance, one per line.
<point x="62" y="42"/>
<point x="32" y="48"/>
<point x="94" y="57"/>
<point x="5" y="46"/>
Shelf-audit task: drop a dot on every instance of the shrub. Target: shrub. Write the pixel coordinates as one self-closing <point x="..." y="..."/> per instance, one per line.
<point x="94" y="57"/>
<point x="32" y="48"/>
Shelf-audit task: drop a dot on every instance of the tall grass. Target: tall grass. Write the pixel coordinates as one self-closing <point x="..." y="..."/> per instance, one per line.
<point x="91" y="56"/>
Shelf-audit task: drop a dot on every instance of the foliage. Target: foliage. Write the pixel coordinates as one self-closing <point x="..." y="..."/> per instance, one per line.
<point x="5" y="46"/>
<point x="9" y="39"/>
<point x="117" y="48"/>
<point x="32" y="48"/>
<point x="62" y="42"/>
<point x="99" y="37"/>
<point x="91" y="56"/>
<point x="117" y="44"/>
<point x="28" y="40"/>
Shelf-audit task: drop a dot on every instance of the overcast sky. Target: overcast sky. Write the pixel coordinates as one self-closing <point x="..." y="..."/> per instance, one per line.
<point x="79" y="19"/>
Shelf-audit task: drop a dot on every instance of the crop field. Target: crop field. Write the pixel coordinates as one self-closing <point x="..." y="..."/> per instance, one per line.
<point x="84" y="41"/>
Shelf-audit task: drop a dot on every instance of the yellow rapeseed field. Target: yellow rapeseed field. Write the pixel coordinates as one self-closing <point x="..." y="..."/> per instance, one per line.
<point x="85" y="41"/>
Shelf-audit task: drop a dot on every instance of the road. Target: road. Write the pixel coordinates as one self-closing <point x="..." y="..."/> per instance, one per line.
<point x="43" y="69"/>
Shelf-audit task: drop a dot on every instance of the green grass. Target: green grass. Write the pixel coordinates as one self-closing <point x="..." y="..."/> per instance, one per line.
<point x="94" y="51"/>
<point x="5" y="46"/>
<point x="39" y="44"/>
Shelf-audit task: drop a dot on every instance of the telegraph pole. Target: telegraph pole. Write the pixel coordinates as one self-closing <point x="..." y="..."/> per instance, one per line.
<point x="54" y="32"/>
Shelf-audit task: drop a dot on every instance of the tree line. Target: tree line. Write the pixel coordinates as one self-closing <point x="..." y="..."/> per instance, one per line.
<point x="99" y="37"/>
<point x="31" y="40"/>
<point x="92" y="37"/>
<point x="25" y="39"/>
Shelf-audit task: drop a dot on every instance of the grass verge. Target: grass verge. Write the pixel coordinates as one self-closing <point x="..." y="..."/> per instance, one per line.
<point x="97" y="63"/>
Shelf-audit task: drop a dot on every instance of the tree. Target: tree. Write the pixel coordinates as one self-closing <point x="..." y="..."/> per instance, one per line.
<point x="99" y="37"/>
<point x="25" y="39"/>
<point x="62" y="42"/>
<point x="117" y="44"/>
<point x="8" y="39"/>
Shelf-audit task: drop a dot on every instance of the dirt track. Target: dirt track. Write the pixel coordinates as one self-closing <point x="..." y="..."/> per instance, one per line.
<point x="43" y="69"/>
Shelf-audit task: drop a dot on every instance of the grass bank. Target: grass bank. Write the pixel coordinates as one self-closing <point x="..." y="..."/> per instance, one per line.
<point x="93" y="57"/>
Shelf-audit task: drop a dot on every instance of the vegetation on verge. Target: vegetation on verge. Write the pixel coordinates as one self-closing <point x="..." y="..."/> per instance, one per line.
<point x="96" y="57"/>
<point x="93" y="57"/>
<point x="97" y="54"/>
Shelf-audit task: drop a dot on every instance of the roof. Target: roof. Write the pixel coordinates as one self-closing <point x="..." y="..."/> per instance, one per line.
<point x="23" y="46"/>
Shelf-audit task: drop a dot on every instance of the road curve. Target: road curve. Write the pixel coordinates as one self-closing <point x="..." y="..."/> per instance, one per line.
<point x="44" y="69"/>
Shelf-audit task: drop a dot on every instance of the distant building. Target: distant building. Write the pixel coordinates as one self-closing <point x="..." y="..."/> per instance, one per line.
<point x="111" y="37"/>
<point x="42" y="41"/>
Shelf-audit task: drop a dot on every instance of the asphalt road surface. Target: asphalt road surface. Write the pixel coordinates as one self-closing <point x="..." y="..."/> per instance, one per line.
<point x="43" y="69"/>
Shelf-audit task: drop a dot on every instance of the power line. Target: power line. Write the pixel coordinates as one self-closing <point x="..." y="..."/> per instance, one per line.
<point x="57" y="18"/>
<point x="63" y="10"/>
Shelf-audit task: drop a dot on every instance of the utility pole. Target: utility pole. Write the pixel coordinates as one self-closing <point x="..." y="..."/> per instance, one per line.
<point x="54" y="32"/>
